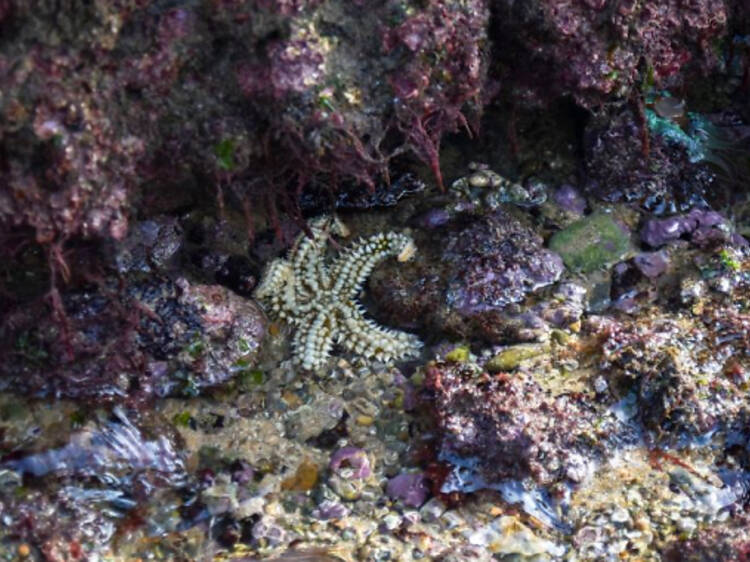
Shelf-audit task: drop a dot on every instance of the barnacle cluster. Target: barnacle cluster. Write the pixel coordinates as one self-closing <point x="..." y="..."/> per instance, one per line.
<point x="320" y="301"/>
<point x="486" y="188"/>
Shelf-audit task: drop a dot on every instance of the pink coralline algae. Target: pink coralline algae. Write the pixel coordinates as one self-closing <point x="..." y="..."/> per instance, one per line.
<point x="598" y="50"/>
<point x="509" y="424"/>
<point x="69" y="165"/>
<point x="470" y="278"/>
<point x="257" y="99"/>
<point x="150" y="338"/>
<point x="431" y="99"/>
<point x="426" y="72"/>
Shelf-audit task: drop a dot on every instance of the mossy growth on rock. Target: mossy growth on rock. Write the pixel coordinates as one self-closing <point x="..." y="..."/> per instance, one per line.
<point x="592" y="242"/>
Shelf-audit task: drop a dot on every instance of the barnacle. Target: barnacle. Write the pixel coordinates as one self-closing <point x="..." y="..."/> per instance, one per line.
<point x="319" y="300"/>
<point x="487" y="188"/>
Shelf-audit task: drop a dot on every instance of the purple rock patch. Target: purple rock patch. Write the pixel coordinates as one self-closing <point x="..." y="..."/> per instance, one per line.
<point x="410" y="488"/>
<point x="651" y="264"/>
<point x="702" y="225"/>
<point x="570" y="199"/>
<point x="351" y="457"/>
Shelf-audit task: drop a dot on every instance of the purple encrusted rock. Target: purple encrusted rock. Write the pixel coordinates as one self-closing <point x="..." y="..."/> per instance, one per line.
<point x="651" y="264"/>
<point x="570" y="199"/>
<point x="351" y="457"/>
<point x="497" y="261"/>
<point x="591" y="50"/>
<point x="329" y="509"/>
<point x="434" y="218"/>
<point x="410" y="488"/>
<point x="509" y="426"/>
<point x="475" y="277"/>
<point x="703" y="225"/>
<point x="658" y="232"/>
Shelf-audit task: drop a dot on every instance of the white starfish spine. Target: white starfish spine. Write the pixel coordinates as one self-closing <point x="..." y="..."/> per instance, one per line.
<point x="322" y="305"/>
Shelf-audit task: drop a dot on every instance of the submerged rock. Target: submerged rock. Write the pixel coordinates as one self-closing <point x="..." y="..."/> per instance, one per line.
<point x="87" y="480"/>
<point x="674" y="370"/>
<point x="350" y="469"/>
<point x="652" y="264"/>
<point x="150" y="246"/>
<point x="660" y="178"/>
<point x="701" y="226"/>
<point x="570" y="199"/>
<point x="596" y="241"/>
<point x="643" y="500"/>
<point x="508" y="359"/>
<point x="470" y="277"/>
<point x="147" y="338"/>
<point x="508" y="425"/>
<point x="410" y="488"/>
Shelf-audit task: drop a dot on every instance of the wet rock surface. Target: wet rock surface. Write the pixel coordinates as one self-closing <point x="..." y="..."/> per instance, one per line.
<point x="152" y="99"/>
<point x="467" y="278"/>
<point x="581" y="280"/>
<point x="71" y="491"/>
<point x="592" y="50"/>
<point x="621" y="167"/>
<point x="673" y="369"/>
<point x="508" y="424"/>
<point x="148" y="338"/>
<point x="622" y="432"/>
<point x="591" y="243"/>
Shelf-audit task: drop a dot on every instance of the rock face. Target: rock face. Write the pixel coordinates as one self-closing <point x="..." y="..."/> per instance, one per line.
<point x="262" y="97"/>
<point x="660" y="176"/>
<point x="468" y="278"/>
<point x="507" y="424"/>
<point x="674" y="369"/>
<point x="702" y="227"/>
<point x="150" y="338"/>
<point x="596" y="51"/>
<point x="267" y="98"/>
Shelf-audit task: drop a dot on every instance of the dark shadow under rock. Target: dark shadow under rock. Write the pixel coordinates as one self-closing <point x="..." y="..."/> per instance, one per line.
<point x="150" y="338"/>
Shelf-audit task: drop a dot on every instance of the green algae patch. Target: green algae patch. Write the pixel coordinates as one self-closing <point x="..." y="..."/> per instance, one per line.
<point x="592" y="242"/>
<point x="458" y="354"/>
<point x="509" y="359"/>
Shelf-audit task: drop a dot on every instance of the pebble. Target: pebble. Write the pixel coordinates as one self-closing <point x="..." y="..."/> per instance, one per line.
<point x="432" y="510"/>
<point x="686" y="525"/>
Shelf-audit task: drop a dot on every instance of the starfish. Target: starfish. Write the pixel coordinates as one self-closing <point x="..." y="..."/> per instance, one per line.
<point x="319" y="301"/>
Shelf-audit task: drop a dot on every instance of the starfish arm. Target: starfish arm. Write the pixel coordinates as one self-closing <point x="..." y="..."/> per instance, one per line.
<point x="276" y="289"/>
<point x="353" y="266"/>
<point x="308" y="256"/>
<point x="364" y="337"/>
<point x="307" y="259"/>
<point x="313" y="340"/>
